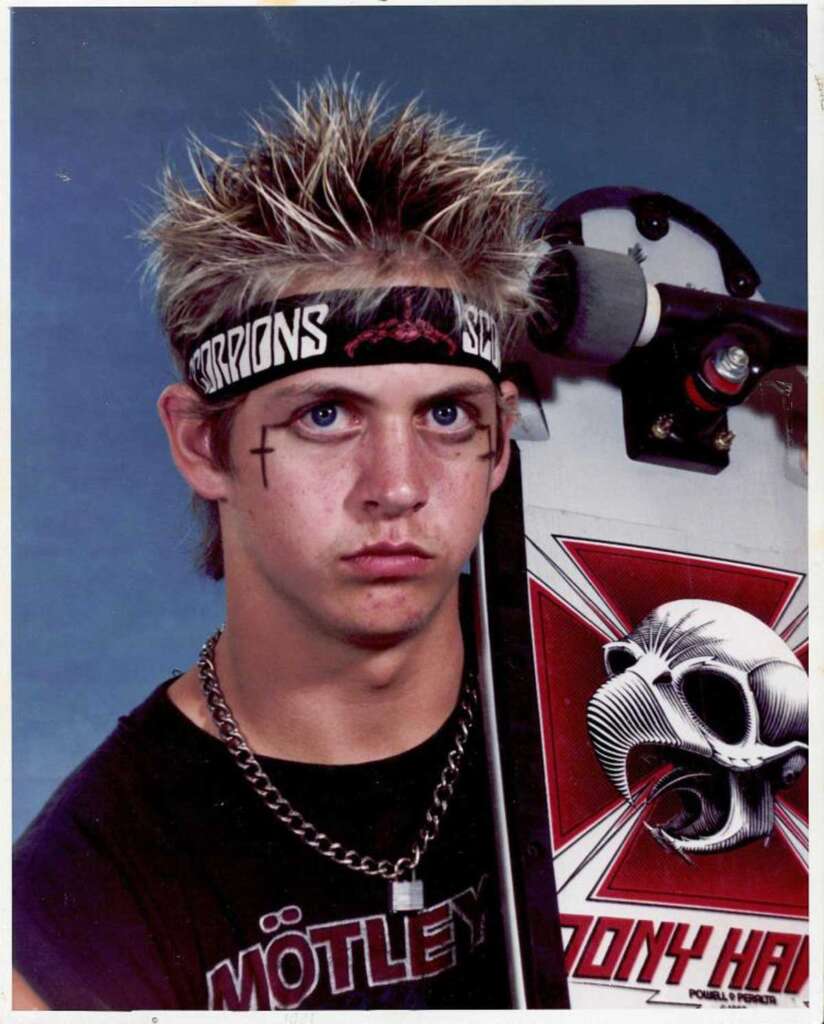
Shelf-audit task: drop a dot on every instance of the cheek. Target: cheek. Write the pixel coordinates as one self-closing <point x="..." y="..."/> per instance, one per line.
<point x="465" y="476"/>
<point x="462" y="490"/>
<point x="300" y="496"/>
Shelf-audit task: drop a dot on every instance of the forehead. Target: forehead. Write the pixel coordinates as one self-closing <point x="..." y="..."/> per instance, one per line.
<point x="385" y="385"/>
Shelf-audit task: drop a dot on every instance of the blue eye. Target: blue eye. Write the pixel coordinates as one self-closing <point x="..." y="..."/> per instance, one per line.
<point x="324" y="415"/>
<point x="445" y="415"/>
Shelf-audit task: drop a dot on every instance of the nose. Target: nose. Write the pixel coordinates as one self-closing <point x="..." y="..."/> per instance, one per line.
<point x="393" y="479"/>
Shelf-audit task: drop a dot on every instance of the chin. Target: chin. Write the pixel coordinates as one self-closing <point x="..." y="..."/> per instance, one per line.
<point x="378" y="629"/>
<point x="385" y="631"/>
<point x="378" y="641"/>
<point x="381" y="616"/>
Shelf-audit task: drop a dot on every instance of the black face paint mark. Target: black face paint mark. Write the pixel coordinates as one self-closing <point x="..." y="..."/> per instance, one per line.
<point x="489" y="456"/>
<point x="262" y="451"/>
<point x="490" y="453"/>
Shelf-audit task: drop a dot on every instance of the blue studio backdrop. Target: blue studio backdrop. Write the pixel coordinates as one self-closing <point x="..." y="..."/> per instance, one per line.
<point x="704" y="103"/>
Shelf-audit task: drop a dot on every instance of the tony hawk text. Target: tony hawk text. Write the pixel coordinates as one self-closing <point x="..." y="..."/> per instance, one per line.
<point x="660" y="952"/>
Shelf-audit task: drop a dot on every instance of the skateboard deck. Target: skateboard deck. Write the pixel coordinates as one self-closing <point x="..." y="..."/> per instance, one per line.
<point x="645" y="622"/>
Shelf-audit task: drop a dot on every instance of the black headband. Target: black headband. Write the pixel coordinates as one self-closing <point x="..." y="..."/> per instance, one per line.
<point x="302" y="332"/>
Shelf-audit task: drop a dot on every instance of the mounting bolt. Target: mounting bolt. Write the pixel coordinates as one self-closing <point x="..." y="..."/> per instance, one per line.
<point x="722" y="442"/>
<point x="652" y="221"/>
<point x="662" y="427"/>
<point x="733" y="363"/>
<point x="741" y="284"/>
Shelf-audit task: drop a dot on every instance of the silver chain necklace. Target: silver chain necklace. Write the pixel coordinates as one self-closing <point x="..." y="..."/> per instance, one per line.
<point x="405" y="894"/>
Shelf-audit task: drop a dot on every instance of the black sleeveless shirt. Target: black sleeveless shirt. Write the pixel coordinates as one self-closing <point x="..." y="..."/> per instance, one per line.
<point x="155" y="878"/>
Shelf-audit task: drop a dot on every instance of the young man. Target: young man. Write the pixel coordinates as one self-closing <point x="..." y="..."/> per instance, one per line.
<point x="302" y="819"/>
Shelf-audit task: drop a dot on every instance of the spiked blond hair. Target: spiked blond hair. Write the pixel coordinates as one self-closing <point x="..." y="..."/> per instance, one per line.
<point x="339" y="188"/>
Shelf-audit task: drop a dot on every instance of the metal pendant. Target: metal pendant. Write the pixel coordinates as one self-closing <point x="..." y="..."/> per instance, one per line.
<point x="406" y="895"/>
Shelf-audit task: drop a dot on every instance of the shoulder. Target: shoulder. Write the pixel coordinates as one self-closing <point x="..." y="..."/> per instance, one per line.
<point x="110" y="784"/>
<point x="93" y="873"/>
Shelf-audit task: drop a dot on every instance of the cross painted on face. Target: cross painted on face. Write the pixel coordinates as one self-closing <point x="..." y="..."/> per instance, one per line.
<point x="262" y="451"/>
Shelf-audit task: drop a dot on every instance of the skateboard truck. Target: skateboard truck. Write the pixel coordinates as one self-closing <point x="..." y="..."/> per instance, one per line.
<point x="683" y="354"/>
<point x="677" y="390"/>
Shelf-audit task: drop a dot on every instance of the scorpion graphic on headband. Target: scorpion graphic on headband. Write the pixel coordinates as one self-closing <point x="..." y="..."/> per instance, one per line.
<point x="405" y="331"/>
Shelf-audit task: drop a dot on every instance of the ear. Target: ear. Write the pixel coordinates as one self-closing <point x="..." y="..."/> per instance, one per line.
<point x="180" y="413"/>
<point x="508" y="419"/>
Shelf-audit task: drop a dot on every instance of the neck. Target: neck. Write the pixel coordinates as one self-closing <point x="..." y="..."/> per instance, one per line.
<point x="323" y="700"/>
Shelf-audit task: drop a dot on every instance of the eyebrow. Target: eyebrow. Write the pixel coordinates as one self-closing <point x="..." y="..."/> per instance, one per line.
<point x="468" y="390"/>
<point x="320" y="390"/>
